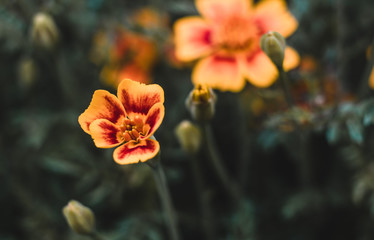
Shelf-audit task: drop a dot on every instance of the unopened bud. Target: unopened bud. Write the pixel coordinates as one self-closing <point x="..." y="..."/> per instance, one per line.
<point x="27" y="72"/>
<point x="189" y="136"/>
<point x="201" y="103"/>
<point x="80" y="218"/>
<point x="273" y="44"/>
<point x="44" y="32"/>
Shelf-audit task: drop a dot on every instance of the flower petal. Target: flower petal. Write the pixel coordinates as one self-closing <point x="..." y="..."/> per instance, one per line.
<point x="215" y="10"/>
<point x="105" y="134"/>
<point x="220" y="72"/>
<point x="154" y="118"/>
<point x="192" y="37"/>
<point x="103" y="106"/>
<point x="135" y="152"/>
<point x="291" y="59"/>
<point x="138" y="98"/>
<point x="273" y="15"/>
<point x="261" y="72"/>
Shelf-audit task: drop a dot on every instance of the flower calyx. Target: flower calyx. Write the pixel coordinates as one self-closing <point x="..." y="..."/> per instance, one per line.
<point x="189" y="136"/>
<point x="274" y="45"/>
<point x="79" y="217"/>
<point x="201" y="103"/>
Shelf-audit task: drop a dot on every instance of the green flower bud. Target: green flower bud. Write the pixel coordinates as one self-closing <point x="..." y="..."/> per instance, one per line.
<point x="274" y="45"/>
<point x="80" y="218"/>
<point x="44" y="32"/>
<point x="27" y="72"/>
<point x="201" y="103"/>
<point x="189" y="136"/>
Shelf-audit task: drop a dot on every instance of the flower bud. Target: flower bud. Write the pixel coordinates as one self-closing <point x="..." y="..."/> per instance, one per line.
<point x="201" y="103"/>
<point x="273" y="44"/>
<point x="44" y="32"/>
<point x="27" y="72"/>
<point x="80" y="218"/>
<point x="189" y="136"/>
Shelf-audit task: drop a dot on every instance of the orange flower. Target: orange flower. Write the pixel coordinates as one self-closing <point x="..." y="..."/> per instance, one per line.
<point x="112" y="74"/>
<point x="226" y="40"/>
<point x="131" y="55"/>
<point x="149" y="18"/>
<point x="129" y="119"/>
<point x="371" y="78"/>
<point x="134" y="48"/>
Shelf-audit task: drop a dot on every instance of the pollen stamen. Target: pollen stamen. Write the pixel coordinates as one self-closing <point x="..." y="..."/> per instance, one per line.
<point x="236" y="34"/>
<point x="132" y="129"/>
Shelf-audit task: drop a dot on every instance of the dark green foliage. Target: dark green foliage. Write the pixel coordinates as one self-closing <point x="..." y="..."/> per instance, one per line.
<point x="305" y="172"/>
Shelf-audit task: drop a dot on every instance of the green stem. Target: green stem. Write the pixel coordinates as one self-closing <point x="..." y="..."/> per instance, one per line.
<point x="166" y="202"/>
<point x="305" y="174"/>
<point x="305" y="161"/>
<point x="283" y="78"/>
<point x="96" y="236"/>
<point x="216" y="160"/>
<point x="203" y="199"/>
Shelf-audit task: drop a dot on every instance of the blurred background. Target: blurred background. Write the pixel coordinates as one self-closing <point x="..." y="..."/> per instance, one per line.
<point x="55" y="54"/>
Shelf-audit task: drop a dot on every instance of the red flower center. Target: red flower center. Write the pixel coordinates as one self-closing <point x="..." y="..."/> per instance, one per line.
<point x="132" y="129"/>
<point x="236" y="34"/>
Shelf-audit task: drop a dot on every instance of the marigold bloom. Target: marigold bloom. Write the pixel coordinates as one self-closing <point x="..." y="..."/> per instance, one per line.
<point x="129" y="119"/>
<point x="226" y="40"/>
<point x="130" y="55"/>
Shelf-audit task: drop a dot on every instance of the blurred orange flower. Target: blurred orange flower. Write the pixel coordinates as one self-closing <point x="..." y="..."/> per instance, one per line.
<point x="308" y="64"/>
<point x="113" y="73"/>
<point x="131" y="56"/>
<point x="149" y="18"/>
<point x="371" y="78"/>
<point x="226" y="40"/>
<point x="129" y="119"/>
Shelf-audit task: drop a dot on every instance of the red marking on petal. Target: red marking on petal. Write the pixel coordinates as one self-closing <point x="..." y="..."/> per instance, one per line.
<point x="207" y="37"/>
<point x="103" y="106"/>
<point x="109" y="133"/>
<point x="104" y="133"/>
<point x="154" y="118"/>
<point x="192" y="38"/>
<point x="141" y="104"/>
<point x="227" y="59"/>
<point x="251" y="56"/>
<point x="115" y="111"/>
<point x="139" y="98"/>
<point x="260" y="27"/>
<point x="134" y="152"/>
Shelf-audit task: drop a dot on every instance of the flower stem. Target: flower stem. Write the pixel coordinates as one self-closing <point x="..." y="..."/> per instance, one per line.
<point x="285" y="87"/>
<point x="203" y="198"/>
<point x="96" y="236"/>
<point x="166" y="202"/>
<point x="216" y="160"/>
<point x="305" y="161"/>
